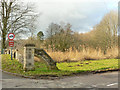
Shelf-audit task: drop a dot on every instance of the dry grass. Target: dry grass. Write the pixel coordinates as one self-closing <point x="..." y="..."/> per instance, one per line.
<point x="85" y="54"/>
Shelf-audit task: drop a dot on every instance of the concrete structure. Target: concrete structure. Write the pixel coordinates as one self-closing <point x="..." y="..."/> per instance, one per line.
<point x="15" y="53"/>
<point x="29" y="57"/>
<point x="21" y="58"/>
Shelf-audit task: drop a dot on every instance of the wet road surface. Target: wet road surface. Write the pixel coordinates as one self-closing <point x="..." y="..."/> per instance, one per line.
<point x="101" y="80"/>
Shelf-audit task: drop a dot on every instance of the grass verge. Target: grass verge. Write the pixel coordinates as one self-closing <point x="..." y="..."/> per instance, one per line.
<point x="14" y="66"/>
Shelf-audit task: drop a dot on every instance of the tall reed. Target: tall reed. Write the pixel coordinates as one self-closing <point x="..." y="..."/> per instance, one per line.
<point x="85" y="54"/>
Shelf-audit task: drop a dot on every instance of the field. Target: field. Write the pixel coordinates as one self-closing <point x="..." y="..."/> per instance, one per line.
<point x="65" y="68"/>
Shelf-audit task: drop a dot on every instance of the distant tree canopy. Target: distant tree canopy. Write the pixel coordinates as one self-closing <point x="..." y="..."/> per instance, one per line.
<point x="40" y="35"/>
<point x="104" y="35"/>
<point x="61" y="37"/>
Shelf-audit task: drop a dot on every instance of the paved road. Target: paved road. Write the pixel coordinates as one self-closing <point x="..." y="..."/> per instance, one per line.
<point x="103" y="80"/>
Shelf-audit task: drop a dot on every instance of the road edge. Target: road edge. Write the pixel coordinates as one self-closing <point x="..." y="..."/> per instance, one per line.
<point x="53" y="77"/>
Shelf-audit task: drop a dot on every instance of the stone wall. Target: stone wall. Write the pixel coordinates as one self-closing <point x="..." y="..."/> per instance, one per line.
<point x="15" y="54"/>
<point x="27" y="57"/>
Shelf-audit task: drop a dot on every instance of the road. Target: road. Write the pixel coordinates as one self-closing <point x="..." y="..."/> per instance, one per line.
<point x="103" y="80"/>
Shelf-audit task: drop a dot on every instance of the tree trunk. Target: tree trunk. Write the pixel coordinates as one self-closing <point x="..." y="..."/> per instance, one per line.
<point x="3" y="43"/>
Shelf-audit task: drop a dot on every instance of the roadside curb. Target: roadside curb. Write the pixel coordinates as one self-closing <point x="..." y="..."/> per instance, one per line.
<point x="31" y="77"/>
<point x="94" y="72"/>
<point x="53" y="77"/>
<point x="103" y="71"/>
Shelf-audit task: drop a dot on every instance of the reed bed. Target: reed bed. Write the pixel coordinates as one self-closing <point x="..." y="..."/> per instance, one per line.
<point x="85" y="54"/>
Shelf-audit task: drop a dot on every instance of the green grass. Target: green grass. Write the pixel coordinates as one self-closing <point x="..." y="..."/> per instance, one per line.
<point x="40" y="68"/>
<point x="65" y="68"/>
<point x="92" y="65"/>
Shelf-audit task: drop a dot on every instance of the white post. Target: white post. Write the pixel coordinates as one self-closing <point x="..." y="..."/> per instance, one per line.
<point x="7" y="51"/>
<point x="17" y="55"/>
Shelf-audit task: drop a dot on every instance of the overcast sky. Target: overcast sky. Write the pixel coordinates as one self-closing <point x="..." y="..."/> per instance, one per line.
<point x="81" y="14"/>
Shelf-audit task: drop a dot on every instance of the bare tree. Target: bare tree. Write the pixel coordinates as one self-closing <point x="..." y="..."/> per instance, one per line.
<point x="108" y="27"/>
<point x="15" y="17"/>
<point x="51" y="31"/>
<point x="60" y="37"/>
<point x="104" y="34"/>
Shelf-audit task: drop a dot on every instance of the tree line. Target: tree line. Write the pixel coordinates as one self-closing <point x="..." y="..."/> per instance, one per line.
<point x="20" y="19"/>
<point x="103" y="35"/>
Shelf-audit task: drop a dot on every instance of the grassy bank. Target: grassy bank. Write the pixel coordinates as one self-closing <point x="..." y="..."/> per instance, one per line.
<point x="65" y="68"/>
